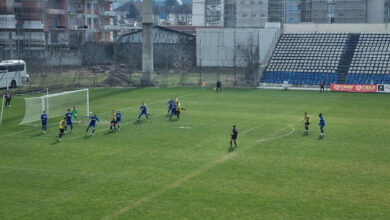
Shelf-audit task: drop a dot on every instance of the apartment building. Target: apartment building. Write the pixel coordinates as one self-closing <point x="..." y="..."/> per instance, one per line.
<point x="96" y="17"/>
<point x="251" y="13"/>
<point x="208" y="12"/>
<point x="37" y="22"/>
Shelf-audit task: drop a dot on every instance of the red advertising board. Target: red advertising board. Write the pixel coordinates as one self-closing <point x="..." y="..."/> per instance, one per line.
<point x="353" y="88"/>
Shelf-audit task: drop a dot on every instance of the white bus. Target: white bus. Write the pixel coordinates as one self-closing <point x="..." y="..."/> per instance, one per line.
<point x="13" y="73"/>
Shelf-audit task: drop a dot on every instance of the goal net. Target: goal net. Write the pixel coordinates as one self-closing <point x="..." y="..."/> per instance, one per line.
<point x="56" y="105"/>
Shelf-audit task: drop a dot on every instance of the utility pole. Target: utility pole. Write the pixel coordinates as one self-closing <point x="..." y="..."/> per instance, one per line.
<point x="200" y="62"/>
<point x="147" y="43"/>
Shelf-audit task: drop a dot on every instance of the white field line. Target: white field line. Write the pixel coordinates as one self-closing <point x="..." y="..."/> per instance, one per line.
<point x="191" y="175"/>
<point x="60" y="171"/>
<point x="26" y="130"/>
<point x="280" y="136"/>
<point x="33" y="128"/>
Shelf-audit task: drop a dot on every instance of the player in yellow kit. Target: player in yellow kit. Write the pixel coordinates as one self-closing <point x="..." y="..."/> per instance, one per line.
<point x="307" y="120"/>
<point x="62" y="128"/>
<point x="113" y="120"/>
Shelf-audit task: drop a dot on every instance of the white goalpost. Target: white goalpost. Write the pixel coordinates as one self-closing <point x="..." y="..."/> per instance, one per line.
<point x="56" y="105"/>
<point x="2" y="110"/>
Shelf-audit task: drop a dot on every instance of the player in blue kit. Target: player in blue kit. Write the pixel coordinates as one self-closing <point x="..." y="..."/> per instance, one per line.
<point x="118" y="119"/>
<point x="173" y="111"/>
<point x="69" y="116"/>
<point x="92" y="123"/>
<point x="44" y="121"/>
<point x="321" y="124"/>
<point x="170" y="105"/>
<point x="143" y="111"/>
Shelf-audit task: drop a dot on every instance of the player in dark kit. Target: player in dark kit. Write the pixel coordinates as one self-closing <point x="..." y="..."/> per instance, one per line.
<point x="321" y="124"/>
<point x="322" y="86"/>
<point x="234" y="136"/>
<point x="44" y="121"/>
<point x="218" y="87"/>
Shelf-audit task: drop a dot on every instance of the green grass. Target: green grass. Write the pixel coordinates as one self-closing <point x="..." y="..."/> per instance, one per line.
<point x="155" y="170"/>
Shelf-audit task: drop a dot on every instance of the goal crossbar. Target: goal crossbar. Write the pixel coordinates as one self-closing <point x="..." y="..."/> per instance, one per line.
<point x="56" y="104"/>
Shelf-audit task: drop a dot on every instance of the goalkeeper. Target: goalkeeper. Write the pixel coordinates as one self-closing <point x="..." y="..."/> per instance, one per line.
<point x="74" y="114"/>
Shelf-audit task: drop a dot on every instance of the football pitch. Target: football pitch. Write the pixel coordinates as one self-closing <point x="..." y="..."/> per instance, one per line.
<point x="185" y="169"/>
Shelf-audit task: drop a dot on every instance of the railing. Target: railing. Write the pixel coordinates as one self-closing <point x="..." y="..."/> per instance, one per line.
<point x="7" y="21"/>
<point x="33" y="25"/>
<point x="109" y="13"/>
<point x="56" y="11"/>
<point x="111" y="27"/>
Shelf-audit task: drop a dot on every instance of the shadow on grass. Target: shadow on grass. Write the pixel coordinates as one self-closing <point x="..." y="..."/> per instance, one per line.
<point x="55" y="142"/>
<point x="38" y="135"/>
<point x="87" y="136"/>
<point x="142" y="121"/>
<point x="110" y="132"/>
<point x="173" y="119"/>
<point x="321" y="137"/>
<point x="231" y="149"/>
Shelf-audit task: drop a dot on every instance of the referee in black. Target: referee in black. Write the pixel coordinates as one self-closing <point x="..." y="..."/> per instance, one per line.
<point x="234" y="137"/>
<point x="218" y="86"/>
<point x="322" y="86"/>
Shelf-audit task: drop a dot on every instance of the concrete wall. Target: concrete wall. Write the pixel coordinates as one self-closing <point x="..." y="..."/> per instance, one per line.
<point x="350" y="28"/>
<point x="160" y="36"/>
<point x="93" y="53"/>
<point x="168" y="45"/>
<point x="97" y="53"/>
<point x="53" y="56"/>
<point x="229" y="47"/>
<point x="164" y="54"/>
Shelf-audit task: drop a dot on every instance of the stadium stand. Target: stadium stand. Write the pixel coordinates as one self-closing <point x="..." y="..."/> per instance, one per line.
<point x="371" y="60"/>
<point x="306" y="58"/>
<point x="309" y="58"/>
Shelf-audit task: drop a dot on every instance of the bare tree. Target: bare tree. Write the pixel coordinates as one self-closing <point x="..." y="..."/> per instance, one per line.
<point x="250" y="58"/>
<point x="182" y="63"/>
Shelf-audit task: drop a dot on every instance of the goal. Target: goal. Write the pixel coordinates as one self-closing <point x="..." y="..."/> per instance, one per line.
<point x="56" y="105"/>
